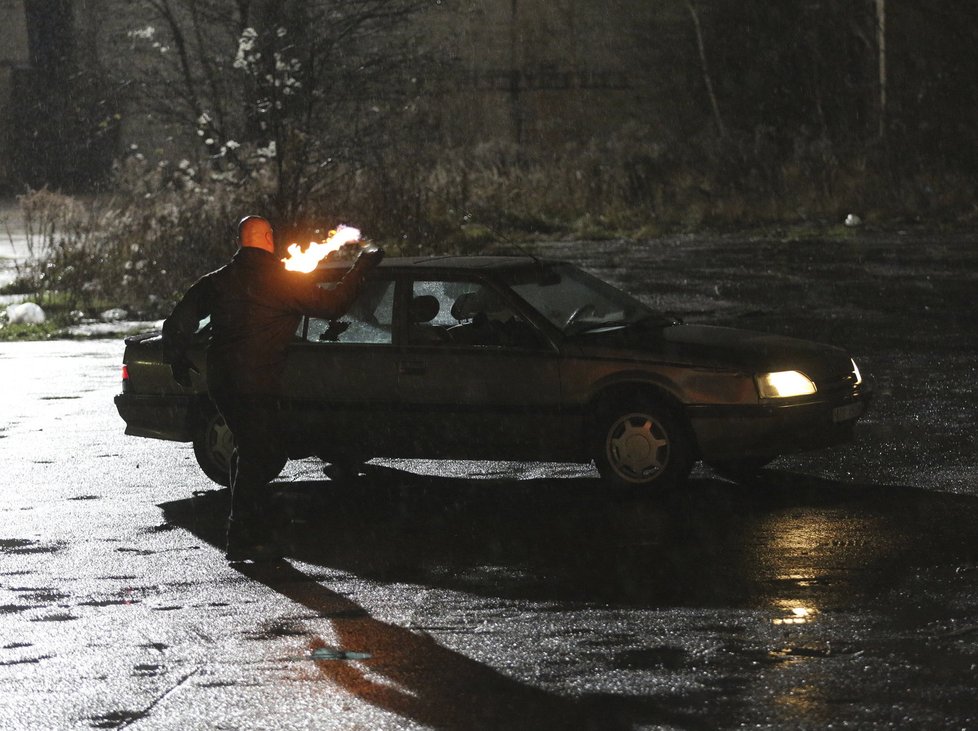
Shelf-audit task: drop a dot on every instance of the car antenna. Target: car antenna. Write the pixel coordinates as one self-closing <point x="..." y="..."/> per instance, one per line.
<point x="525" y="252"/>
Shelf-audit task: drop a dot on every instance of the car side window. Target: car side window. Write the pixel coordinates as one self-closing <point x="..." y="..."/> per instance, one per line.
<point x="370" y="319"/>
<point x="460" y="313"/>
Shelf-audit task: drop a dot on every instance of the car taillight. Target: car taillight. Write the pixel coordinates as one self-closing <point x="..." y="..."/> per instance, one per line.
<point x="125" y="378"/>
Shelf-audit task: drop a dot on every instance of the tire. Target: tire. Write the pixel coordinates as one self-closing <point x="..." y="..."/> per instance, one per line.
<point x="739" y="469"/>
<point x="642" y="444"/>
<point x="213" y="447"/>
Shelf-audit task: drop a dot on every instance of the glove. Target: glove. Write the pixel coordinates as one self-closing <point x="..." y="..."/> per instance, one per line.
<point x="370" y="256"/>
<point x="181" y="371"/>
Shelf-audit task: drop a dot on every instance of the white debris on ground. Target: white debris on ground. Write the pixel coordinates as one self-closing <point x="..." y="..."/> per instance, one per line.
<point x="26" y="313"/>
<point x="116" y="314"/>
<point x="117" y="328"/>
<point x="852" y="220"/>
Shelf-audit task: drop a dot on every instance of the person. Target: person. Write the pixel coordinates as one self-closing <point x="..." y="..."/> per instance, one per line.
<point x="255" y="306"/>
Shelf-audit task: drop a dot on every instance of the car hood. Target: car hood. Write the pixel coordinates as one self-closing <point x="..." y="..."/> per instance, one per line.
<point x="725" y="347"/>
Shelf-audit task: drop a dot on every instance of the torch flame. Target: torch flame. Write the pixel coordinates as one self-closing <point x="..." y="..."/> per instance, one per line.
<point x="306" y="261"/>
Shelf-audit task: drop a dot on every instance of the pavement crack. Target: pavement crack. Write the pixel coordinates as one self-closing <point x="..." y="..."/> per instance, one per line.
<point x="149" y="709"/>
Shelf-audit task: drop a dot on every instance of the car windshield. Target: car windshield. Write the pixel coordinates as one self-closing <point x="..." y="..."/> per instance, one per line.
<point x="578" y="302"/>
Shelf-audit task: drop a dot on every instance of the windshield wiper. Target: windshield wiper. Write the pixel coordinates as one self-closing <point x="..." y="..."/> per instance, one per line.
<point x="649" y="319"/>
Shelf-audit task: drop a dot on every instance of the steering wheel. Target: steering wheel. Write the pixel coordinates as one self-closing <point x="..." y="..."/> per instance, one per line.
<point x="586" y="309"/>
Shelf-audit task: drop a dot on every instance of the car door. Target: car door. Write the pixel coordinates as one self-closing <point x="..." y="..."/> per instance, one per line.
<point x="340" y="383"/>
<point x="476" y="379"/>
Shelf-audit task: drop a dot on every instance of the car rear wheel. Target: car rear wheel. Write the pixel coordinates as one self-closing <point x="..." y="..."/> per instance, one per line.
<point x="642" y="444"/>
<point x="213" y="447"/>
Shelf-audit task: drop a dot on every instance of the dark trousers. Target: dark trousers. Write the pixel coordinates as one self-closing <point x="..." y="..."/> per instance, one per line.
<point x="259" y="454"/>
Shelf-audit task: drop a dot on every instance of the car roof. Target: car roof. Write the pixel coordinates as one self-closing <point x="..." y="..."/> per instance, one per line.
<point x="452" y="263"/>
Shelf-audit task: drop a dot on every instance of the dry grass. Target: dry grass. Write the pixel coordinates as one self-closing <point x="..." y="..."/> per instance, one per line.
<point x="165" y="224"/>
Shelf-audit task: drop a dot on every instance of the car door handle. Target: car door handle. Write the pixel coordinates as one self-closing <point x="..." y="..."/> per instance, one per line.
<point x="411" y="368"/>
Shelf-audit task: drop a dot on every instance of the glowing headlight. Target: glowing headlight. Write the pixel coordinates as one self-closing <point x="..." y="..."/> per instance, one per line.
<point x="855" y="372"/>
<point x="784" y="384"/>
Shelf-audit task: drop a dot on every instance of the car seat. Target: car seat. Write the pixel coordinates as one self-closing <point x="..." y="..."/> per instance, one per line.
<point x="423" y="309"/>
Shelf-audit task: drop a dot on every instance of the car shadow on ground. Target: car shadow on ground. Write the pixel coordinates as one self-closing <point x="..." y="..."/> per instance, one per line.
<point x="711" y="543"/>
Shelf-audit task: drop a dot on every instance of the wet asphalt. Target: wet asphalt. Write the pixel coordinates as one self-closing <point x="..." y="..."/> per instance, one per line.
<point x="838" y="589"/>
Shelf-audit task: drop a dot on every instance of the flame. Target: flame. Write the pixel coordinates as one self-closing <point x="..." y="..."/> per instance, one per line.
<point x="306" y="261"/>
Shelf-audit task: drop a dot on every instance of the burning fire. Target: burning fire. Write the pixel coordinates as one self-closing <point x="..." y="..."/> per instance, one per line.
<point x="306" y="261"/>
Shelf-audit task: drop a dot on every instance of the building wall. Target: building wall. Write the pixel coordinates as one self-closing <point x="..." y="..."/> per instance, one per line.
<point x="14" y="57"/>
<point x="546" y="72"/>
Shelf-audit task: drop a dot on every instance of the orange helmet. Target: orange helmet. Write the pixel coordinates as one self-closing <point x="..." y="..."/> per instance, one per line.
<point x="256" y="232"/>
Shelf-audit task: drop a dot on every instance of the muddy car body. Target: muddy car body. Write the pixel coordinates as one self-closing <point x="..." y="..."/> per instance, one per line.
<point x="520" y="359"/>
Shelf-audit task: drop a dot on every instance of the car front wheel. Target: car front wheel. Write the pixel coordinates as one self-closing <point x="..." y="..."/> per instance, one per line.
<point x="213" y="447"/>
<point x="641" y="445"/>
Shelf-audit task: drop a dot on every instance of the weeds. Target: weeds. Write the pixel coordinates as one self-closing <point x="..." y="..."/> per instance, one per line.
<point x="19" y="331"/>
<point x="167" y="224"/>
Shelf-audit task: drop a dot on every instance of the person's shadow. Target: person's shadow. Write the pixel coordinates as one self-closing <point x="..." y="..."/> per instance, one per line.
<point x="571" y="542"/>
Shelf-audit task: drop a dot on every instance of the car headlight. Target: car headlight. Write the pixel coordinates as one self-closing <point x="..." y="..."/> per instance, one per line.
<point x="784" y="384"/>
<point x="856" y="373"/>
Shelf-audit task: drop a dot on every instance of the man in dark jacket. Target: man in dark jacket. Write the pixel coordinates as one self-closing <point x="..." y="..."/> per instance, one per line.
<point x="255" y="306"/>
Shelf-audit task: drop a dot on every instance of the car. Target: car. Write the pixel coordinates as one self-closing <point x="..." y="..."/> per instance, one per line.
<point x="518" y="358"/>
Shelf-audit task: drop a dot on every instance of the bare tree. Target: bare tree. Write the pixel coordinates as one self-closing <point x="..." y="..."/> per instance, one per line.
<point x="286" y="92"/>
<point x="881" y="51"/>
<point x="707" y="79"/>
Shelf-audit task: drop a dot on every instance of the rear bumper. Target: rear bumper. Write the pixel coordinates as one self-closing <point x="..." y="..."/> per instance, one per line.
<point x="159" y="417"/>
<point x="767" y="430"/>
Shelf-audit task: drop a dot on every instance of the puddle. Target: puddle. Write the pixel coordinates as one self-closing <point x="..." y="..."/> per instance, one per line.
<point x="55" y="618"/>
<point x="330" y="653"/>
<point x="277" y="629"/>
<point x="108" y="602"/>
<point x="161" y="528"/>
<point x="670" y="658"/>
<point x="22" y="545"/>
<point x="39" y="593"/>
<point x="826" y="650"/>
<point x="25" y="661"/>
<point x="116" y="719"/>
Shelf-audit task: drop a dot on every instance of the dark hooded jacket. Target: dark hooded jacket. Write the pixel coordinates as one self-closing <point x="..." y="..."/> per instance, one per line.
<point x="255" y="306"/>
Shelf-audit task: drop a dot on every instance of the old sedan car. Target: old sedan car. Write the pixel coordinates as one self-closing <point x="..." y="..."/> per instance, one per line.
<point x="519" y="358"/>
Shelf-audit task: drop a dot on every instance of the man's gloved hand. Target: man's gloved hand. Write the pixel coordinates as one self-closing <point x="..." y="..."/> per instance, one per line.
<point x="181" y="371"/>
<point x="370" y="256"/>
